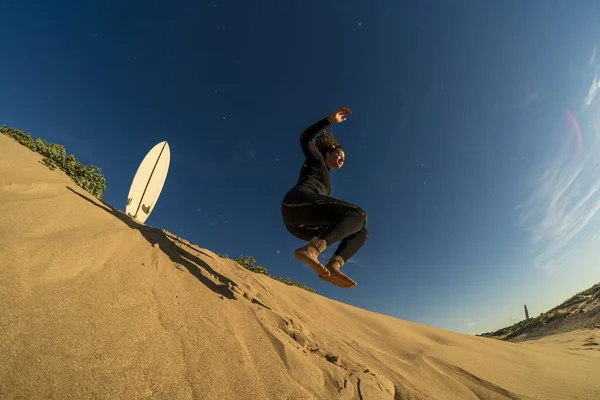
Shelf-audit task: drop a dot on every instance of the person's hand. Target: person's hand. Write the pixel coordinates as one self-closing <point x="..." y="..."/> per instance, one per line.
<point x="339" y="115"/>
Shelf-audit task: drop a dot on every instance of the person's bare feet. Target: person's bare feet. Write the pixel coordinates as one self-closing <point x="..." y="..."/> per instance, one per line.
<point x="336" y="276"/>
<point x="309" y="256"/>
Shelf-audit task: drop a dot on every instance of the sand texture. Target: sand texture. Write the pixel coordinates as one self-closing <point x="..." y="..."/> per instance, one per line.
<point x="95" y="306"/>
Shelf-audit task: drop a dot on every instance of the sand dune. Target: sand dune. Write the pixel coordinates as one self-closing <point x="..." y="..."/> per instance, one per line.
<point x="581" y="311"/>
<point x="95" y="306"/>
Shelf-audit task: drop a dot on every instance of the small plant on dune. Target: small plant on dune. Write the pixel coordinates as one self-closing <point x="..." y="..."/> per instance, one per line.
<point x="249" y="263"/>
<point x="89" y="177"/>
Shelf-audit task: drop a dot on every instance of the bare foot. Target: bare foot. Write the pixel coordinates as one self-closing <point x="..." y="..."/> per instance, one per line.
<point x="309" y="256"/>
<point x="337" y="277"/>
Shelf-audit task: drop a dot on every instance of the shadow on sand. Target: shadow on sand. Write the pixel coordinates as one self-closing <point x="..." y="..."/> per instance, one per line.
<point x="175" y="253"/>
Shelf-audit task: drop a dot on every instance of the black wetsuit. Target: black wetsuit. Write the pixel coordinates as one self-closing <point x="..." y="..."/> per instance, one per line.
<point x="308" y="211"/>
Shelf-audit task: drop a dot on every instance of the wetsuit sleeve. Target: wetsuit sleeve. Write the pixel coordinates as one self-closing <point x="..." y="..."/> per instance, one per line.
<point x="306" y="139"/>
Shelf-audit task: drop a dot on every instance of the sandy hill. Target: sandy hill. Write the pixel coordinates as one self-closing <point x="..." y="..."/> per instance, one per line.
<point x="582" y="311"/>
<point x="95" y="306"/>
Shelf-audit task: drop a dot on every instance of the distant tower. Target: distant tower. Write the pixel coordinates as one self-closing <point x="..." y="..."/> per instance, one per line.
<point x="526" y="313"/>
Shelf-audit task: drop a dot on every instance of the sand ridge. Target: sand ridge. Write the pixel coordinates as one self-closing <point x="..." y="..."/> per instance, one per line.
<point x="97" y="306"/>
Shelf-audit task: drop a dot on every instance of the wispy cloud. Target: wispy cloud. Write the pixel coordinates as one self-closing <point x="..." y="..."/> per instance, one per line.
<point x="326" y="255"/>
<point x="354" y="260"/>
<point x="587" y="102"/>
<point x="560" y="214"/>
<point x="471" y="324"/>
<point x="592" y="92"/>
<point x="564" y="204"/>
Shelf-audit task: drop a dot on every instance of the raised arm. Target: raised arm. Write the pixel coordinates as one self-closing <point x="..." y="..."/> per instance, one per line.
<point x="306" y="138"/>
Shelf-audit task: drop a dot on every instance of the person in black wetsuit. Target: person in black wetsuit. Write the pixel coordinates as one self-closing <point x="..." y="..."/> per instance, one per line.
<point x="310" y="213"/>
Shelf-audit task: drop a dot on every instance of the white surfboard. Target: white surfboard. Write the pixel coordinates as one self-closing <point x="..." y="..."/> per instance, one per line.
<point x="148" y="182"/>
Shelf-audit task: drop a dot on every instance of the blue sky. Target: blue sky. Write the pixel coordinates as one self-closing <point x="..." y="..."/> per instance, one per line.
<point x="457" y="147"/>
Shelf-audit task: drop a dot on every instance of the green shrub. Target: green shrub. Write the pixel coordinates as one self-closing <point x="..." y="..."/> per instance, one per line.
<point x="249" y="263"/>
<point x="89" y="177"/>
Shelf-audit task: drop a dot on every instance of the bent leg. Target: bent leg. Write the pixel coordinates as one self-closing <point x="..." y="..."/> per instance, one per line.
<point x="331" y="219"/>
<point x="351" y="244"/>
<point x="309" y="254"/>
<point x="324" y="220"/>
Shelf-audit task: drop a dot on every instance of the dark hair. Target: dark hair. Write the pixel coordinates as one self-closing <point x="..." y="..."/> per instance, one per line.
<point x="326" y="143"/>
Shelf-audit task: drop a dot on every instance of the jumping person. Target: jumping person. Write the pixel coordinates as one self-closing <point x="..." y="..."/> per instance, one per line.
<point x="310" y="214"/>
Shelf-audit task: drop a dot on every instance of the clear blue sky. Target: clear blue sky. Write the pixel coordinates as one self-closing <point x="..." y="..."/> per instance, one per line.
<point x="457" y="147"/>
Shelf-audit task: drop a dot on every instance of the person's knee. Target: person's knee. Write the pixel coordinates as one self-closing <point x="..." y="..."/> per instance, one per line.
<point x="363" y="216"/>
<point x="358" y="218"/>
